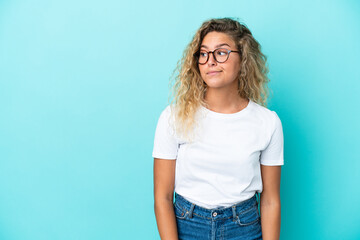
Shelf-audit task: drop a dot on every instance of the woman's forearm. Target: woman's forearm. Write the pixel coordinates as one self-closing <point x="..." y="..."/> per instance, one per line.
<point x="270" y="220"/>
<point x="165" y="219"/>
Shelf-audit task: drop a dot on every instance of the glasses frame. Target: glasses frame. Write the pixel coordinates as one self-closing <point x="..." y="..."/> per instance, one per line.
<point x="197" y="55"/>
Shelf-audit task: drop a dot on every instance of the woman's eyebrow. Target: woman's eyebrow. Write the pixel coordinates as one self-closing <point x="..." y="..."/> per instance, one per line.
<point x="219" y="45"/>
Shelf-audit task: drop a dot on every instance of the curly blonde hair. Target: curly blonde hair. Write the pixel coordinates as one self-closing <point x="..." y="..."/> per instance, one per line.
<point x="188" y="88"/>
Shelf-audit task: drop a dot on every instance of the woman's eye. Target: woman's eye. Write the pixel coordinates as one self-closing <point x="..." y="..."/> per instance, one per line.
<point x="203" y="54"/>
<point x="221" y="52"/>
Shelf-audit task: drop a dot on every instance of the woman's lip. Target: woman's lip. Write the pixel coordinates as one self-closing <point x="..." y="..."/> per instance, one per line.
<point x="213" y="72"/>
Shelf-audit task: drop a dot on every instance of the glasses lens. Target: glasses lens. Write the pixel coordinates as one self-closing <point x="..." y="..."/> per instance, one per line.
<point x="221" y="55"/>
<point x="203" y="56"/>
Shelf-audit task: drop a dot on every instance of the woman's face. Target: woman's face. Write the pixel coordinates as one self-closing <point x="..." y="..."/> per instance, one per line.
<point x="220" y="75"/>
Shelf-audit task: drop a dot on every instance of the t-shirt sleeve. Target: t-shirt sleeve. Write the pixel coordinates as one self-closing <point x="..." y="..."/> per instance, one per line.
<point x="273" y="154"/>
<point x="165" y="143"/>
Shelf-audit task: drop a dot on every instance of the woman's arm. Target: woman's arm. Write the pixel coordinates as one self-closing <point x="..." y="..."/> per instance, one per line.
<point x="164" y="179"/>
<point x="270" y="207"/>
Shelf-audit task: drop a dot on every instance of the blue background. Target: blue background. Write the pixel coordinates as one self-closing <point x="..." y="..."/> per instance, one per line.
<point x="82" y="84"/>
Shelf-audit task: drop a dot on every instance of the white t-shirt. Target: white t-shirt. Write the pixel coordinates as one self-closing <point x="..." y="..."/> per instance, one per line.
<point x="222" y="166"/>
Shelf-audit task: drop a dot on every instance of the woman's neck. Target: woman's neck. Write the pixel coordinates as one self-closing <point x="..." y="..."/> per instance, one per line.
<point x="225" y="102"/>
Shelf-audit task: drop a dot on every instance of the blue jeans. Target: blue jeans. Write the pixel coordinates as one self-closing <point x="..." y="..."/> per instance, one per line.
<point x="240" y="221"/>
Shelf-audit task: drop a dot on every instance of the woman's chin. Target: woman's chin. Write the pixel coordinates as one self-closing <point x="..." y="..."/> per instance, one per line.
<point x="215" y="84"/>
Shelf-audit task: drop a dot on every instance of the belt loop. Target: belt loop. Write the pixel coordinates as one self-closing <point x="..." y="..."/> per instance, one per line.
<point x="234" y="211"/>
<point x="191" y="210"/>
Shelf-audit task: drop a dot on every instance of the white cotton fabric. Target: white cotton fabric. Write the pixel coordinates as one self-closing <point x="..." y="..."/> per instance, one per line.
<point x="222" y="166"/>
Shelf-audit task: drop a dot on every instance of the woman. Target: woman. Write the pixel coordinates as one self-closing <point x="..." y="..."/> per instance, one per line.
<point x="217" y="145"/>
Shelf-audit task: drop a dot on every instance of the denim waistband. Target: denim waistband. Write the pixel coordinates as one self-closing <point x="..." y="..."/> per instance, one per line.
<point x="216" y="213"/>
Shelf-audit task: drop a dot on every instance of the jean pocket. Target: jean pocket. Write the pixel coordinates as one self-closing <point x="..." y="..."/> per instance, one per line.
<point x="180" y="212"/>
<point x="248" y="217"/>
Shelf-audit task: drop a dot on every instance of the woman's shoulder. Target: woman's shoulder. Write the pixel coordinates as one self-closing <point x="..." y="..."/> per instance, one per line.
<point x="166" y="113"/>
<point x="265" y="112"/>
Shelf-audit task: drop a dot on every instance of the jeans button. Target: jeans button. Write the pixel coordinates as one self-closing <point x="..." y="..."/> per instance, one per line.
<point x="214" y="214"/>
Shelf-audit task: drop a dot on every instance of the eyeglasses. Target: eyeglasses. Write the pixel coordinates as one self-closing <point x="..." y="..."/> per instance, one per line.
<point x="220" y="55"/>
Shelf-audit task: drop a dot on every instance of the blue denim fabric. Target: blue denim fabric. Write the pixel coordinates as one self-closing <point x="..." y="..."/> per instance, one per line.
<point x="240" y="221"/>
